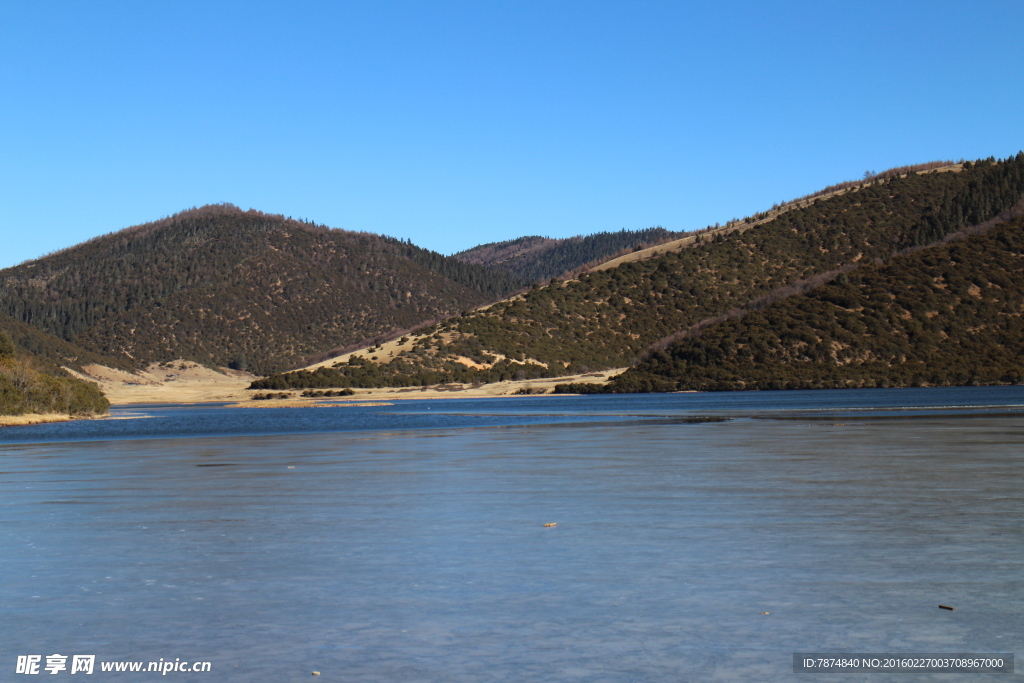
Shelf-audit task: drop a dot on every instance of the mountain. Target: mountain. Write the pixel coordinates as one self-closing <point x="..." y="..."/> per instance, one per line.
<point x="538" y="259"/>
<point x="610" y="318"/>
<point x="25" y="389"/>
<point x="223" y="286"/>
<point x="948" y="315"/>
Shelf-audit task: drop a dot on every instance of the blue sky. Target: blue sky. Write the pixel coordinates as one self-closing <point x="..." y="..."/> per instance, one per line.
<point x="457" y="123"/>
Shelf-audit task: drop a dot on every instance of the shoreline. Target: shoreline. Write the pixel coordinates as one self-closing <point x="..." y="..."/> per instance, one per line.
<point x="185" y="382"/>
<point x="36" y="418"/>
<point x="362" y="397"/>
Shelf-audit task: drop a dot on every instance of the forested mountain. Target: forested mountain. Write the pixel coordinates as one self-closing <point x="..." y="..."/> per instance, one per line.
<point x="612" y="317"/>
<point x="25" y="389"/>
<point x="948" y="315"/>
<point x="538" y="259"/>
<point x="224" y="286"/>
<point x="49" y="353"/>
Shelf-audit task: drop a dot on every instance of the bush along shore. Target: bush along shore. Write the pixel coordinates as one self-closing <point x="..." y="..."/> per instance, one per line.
<point x="25" y="390"/>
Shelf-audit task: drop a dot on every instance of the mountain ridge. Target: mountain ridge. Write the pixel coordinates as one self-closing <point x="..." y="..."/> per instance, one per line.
<point x="223" y="286"/>
<point x="539" y="259"/>
<point x="244" y="289"/>
<point x="608" y="318"/>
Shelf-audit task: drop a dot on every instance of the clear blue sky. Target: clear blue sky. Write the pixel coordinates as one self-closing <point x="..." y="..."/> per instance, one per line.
<point x="456" y="123"/>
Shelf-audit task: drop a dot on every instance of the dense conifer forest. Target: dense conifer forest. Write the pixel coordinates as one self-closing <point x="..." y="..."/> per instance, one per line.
<point x="25" y="389"/>
<point x="611" y="318"/>
<point x="227" y="287"/>
<point x="948" y="315"/>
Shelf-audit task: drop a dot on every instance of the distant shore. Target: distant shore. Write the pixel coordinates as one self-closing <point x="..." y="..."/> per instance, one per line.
<point x="187" y="382"/>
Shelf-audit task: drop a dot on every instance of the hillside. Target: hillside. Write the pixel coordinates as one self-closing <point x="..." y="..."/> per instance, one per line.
<point x="227" y="287"/>
<point x="538" y="259"/>
<point x="24" y="389"/>
<point x="609" y="318"/>
<point x="949" y="315"/>
<point x="50" y="353"/>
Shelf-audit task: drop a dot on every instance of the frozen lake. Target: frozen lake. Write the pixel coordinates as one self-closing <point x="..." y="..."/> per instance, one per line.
<point x="407" y="542"/>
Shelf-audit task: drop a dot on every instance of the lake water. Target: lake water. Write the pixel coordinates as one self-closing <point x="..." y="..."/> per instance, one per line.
<point x="407" y="542"/>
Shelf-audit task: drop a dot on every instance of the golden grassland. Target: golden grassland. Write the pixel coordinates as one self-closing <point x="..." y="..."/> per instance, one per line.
<point x="32" y="418"/>
<point x="187" y="382"/>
